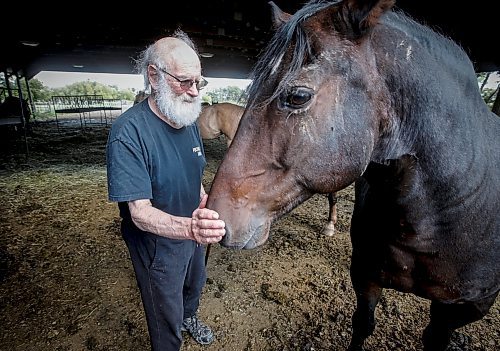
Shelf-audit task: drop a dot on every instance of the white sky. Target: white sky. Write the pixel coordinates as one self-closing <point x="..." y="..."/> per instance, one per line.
<point x="53" y="79"/>
<point x="493" y="80"/>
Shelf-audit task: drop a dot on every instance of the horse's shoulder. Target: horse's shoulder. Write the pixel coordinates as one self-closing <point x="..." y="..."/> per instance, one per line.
<point x="207" y="115"/>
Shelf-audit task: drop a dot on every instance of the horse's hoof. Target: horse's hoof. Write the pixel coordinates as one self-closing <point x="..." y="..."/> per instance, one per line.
<point x="329" y="230"/>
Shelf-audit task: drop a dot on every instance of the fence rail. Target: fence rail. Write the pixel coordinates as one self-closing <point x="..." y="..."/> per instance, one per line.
<point x="84" y="106"/>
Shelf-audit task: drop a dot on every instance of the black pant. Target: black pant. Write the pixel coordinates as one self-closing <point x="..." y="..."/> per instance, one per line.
<point x="171" y="275"/>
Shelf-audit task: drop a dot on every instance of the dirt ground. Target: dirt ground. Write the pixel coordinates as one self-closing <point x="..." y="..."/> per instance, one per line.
<point x="67" y="284"/>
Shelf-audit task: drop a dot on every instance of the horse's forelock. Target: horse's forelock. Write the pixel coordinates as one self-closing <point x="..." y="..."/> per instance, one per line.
<point x="289" y="34"/>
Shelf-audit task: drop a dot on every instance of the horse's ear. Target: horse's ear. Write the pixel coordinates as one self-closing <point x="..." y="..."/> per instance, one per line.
<point x="361" y="15"/>
<point x="279" y="17"/>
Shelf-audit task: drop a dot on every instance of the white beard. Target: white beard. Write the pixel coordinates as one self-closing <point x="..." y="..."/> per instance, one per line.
<point x="183" y="109"/>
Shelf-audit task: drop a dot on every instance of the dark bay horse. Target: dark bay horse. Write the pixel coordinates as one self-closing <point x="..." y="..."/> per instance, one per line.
<point x="353" y="91"/>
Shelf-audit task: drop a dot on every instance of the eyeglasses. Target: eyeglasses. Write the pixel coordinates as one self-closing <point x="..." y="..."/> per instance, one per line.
<point x="186" y="84"/>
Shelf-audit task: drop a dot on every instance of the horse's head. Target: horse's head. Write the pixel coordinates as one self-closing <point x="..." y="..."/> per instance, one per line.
<point x="312" y="121"/>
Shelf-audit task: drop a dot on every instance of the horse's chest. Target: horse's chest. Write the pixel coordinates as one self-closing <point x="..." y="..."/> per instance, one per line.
<point x="403" y="256"/>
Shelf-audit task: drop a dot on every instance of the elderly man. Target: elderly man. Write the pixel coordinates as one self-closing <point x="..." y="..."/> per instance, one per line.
<point x="155" y="162"/>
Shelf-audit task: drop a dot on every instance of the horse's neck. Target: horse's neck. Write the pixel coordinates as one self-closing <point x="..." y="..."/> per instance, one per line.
<point x="448" y="164"/>
<point x="436" y="106"/>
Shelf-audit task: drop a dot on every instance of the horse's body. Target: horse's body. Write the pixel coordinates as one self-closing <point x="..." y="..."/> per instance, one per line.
<point x="220" y="119"/>
<point x="352" y="92"/>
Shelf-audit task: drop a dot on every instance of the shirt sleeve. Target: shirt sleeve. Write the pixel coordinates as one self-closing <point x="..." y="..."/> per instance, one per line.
<point x="127" y="172"/>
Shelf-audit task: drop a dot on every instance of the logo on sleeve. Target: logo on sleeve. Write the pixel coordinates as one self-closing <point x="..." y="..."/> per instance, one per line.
<point x="197" y="150"/>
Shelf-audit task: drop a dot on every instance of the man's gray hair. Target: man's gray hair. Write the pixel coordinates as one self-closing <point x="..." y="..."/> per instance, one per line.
<point x="150" y="56"/>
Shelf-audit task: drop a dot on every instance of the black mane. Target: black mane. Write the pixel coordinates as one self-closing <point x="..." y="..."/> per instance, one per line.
<point x="290" y="33"/>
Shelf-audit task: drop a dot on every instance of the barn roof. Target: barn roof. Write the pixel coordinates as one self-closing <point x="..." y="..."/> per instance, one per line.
<point x="85" y="37"/>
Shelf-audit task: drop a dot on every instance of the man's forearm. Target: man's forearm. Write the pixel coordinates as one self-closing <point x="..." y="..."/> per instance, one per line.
<point x="150" y="219"/>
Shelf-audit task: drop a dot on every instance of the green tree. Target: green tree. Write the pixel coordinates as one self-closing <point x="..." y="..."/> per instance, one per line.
<point x="489" y="95"/>
<point x="229" y="94"/>
<point x="126" y="95"/>
<point x="39" y="92"/>
<point x="95" y="88"/>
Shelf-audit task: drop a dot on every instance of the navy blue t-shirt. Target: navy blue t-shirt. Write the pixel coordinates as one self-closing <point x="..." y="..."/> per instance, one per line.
<point x="148" y="159"/>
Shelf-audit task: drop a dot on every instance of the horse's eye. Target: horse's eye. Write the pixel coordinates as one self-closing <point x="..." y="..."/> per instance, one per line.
<point x="297" y="97"/>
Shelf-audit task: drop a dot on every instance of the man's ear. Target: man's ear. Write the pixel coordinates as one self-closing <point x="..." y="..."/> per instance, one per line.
<point x="279" y="17"/>
<point x="153" y="77"/>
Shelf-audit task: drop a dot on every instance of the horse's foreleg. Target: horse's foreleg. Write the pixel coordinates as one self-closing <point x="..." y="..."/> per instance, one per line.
<point x="329" y="229"/>
<point x="363" y="319"/>
<point x="446" y="318"/>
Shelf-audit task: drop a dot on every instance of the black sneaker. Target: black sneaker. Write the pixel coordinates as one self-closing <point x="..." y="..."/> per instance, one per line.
<point x="198" y="330"/>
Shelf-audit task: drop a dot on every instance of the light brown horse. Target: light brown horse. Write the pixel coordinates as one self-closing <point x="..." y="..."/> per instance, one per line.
<point x="220" y="119"/>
